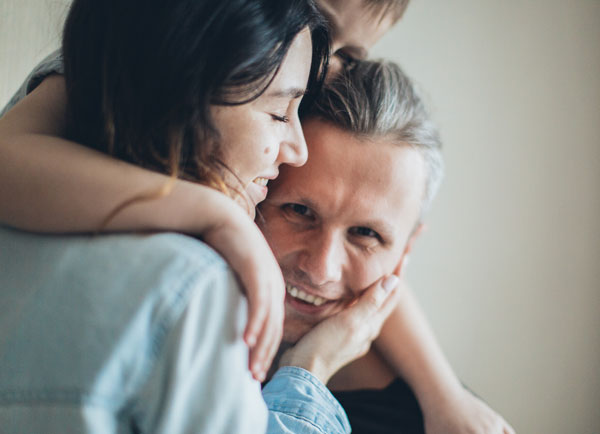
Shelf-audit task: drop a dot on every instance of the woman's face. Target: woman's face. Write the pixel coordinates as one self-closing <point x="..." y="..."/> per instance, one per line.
<point x="259" y="136"/>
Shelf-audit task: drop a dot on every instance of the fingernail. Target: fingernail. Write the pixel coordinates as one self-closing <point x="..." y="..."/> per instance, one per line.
<point x="251" y="341"/>
<point x="390" y="283"/>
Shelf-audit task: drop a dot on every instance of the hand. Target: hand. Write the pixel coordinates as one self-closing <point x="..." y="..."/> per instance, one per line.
<point x="240" y="242"/>
<point x="346" y="336"/>
<point x="464" y="414"/>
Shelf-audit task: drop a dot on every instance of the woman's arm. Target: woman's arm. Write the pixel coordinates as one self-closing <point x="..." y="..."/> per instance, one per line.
<point x="48" y="184"/>
<point x="409" y="346"/>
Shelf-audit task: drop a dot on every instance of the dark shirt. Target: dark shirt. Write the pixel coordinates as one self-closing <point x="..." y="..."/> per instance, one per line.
<point x="394" y="409"/>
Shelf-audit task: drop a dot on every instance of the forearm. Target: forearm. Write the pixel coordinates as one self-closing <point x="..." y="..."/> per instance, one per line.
<point x="49" y="184"/>
<point x="409" y="346"/>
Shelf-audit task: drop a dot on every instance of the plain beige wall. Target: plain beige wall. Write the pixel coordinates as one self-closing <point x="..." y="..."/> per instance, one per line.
<point x="29" y="30"/>
<point x="509" y="271"/>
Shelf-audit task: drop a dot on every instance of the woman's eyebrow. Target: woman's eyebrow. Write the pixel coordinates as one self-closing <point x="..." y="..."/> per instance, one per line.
<point x="292" y="92"/>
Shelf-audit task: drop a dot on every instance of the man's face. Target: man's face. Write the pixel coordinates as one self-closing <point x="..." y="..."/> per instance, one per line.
<point x="354" y="29"/>
<point x="341" y="221"/>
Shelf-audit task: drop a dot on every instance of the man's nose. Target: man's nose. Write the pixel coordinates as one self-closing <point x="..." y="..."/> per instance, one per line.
<point x="323" y="259"/>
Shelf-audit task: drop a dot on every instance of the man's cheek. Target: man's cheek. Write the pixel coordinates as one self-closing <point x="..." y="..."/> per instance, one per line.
<point x="373" y="270"/>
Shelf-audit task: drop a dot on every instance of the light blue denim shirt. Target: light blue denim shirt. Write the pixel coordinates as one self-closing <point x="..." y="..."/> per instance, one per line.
<point x="136" y="333"/>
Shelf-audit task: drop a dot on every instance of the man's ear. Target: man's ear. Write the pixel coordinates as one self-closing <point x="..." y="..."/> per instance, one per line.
<point x="419" y="229"/>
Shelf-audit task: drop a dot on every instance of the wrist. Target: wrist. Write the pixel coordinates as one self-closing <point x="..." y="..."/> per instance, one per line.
<point x="310" y="362"/>
<point x="201" y="208"/>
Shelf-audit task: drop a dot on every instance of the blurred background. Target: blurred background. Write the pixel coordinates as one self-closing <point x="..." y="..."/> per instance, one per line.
<point x="509" y="270"/>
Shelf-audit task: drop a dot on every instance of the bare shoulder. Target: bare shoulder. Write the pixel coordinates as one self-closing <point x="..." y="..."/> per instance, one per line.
<point x="43" y="111"/>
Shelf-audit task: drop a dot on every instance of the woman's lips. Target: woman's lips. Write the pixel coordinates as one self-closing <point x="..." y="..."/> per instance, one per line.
<point x="257" y="190"/>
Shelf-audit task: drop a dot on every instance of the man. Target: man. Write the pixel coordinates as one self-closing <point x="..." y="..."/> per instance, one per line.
<point x="351" y="215"/>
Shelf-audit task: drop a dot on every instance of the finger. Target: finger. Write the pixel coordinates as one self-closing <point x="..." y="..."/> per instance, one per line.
<point x="257" y="354"/>
<point x="387" y="308"/>
<point x="508" y="429"/>
<point x="274" y="327"/>
<point x="379" y="317"/>
<point x="274" y="346"/>
<point x="257" y="312"/>
<point x="268" y="341"/>
<point x="376" y="295"/>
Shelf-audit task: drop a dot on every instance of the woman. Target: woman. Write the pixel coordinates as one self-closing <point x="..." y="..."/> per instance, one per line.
<point x="201" y="91"/>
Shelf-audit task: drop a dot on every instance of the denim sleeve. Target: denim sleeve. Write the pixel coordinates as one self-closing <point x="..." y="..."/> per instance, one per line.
<point x="299" y="403"/>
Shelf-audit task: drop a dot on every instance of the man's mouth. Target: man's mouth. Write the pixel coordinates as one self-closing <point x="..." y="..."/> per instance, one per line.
<point x="304" y="297"/>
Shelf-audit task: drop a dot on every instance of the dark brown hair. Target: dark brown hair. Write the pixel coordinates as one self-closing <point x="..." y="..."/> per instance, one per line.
<point x="141" y="74"/>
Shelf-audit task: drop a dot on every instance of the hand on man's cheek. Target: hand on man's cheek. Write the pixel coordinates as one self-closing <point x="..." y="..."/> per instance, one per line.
<point x="346" y="336"/>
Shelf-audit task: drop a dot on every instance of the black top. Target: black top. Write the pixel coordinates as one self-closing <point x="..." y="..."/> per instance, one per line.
<point x="394" y="409"/>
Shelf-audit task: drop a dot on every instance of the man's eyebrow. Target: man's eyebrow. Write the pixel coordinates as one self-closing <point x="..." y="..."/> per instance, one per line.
<point x="292" y="92"/>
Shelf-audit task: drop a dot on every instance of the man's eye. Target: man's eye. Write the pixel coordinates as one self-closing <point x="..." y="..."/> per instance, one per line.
<point x="363" y="231"/>
<point x="297" y="209"/>
<point x="278" y="118"/>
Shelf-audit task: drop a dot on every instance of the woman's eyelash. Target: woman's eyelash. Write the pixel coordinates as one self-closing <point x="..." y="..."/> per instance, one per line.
<point x="278" y="118"/>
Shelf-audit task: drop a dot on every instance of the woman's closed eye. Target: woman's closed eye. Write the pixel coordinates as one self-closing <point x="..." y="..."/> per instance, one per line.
<point x="280" y="118"/>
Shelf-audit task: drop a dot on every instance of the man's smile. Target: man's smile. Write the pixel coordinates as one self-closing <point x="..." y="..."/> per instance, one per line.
<point x="305" y="302"/>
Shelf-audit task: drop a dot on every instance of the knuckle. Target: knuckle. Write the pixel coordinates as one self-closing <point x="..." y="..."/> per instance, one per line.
<point x="373" y="299"/>
<point x="354" y="326"/>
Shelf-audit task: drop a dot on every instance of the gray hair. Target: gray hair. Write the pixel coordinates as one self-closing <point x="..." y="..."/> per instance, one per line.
<point x="375" y="99"/>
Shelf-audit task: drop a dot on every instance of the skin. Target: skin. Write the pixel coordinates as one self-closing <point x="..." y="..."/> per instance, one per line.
<point x="342" y="221"/>
<point x="263" y="134"/>
<point x="34" y="153"/>
<point x="354" y="29"/>
<point x="336" y="225"/>
<point x="32" y="132"/>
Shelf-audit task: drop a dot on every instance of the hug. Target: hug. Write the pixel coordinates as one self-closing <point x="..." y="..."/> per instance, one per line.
<point x="211" y="206"/>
